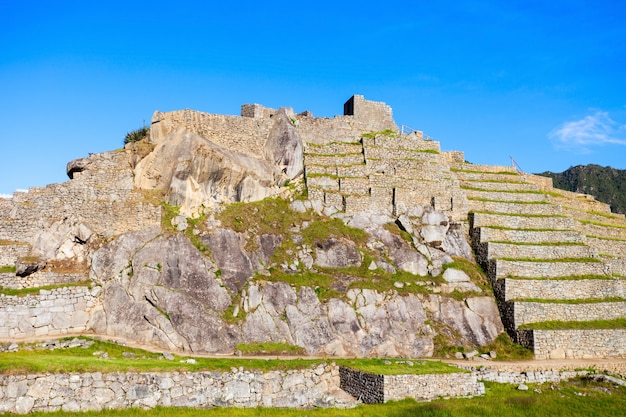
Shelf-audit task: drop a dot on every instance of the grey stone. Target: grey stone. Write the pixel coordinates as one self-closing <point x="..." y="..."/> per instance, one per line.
<point x="336" y="253"/>
<point x="455" y="275"/>
<point x="283" y="146"/>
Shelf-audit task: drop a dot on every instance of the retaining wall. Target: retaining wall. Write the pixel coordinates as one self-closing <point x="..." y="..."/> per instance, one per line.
<point x="51" y="312"/>
<point x="576" y="344"/>
<point x="98" y="391"/>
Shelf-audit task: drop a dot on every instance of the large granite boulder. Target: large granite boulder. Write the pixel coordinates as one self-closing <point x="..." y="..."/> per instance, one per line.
<point x="283" y="146"/>
<point x="195" y="172"/>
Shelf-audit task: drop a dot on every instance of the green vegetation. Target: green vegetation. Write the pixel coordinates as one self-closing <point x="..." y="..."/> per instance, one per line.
<point x="269" y="348"/>
<point x="136" y="135"/>
<point x="469" y="171"/>
<point x="577" y="325"/>
<point x="571" y="301"/>
<point x="35" y="290"/>
<point x="518" y="214"/>
<point x="386" y="132"/>
<point x="7" y="269"/>
<point x="382" y="366"/>
<point x="537" y="243"/>
<point x="507" y="350"/>
<point x="488" y="200"/>
<point x="589" y="260"/>
<point x="595" y="223"/>
<point x="606" y="184"/>
<point x="169" y="212"/>
<point x="563" y="278"/>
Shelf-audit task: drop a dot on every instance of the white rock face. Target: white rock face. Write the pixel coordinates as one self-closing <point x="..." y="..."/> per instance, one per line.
<point x="195" y="172"/>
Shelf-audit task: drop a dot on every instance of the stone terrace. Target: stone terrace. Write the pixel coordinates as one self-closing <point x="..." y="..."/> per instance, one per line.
<point x="551" y="255"/>
<point x="384" y="172"/>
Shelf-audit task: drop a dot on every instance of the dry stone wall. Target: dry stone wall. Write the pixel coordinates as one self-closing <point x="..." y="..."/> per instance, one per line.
<point x="51" y="312"/>
<point x="239" y="388"/>
<point x="39" y="279"/>
<point x="575" y="344"/>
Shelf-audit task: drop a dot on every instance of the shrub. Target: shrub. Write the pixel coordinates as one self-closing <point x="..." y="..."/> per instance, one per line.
<point x="136" y="135"/>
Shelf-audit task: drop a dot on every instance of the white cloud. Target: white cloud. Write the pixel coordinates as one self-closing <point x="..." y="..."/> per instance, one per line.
<point x="6" y="196"/>
<point x="594" y="130"/>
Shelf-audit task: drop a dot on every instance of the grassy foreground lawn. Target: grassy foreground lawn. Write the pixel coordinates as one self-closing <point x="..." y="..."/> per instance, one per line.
<point x="574" y="398"/>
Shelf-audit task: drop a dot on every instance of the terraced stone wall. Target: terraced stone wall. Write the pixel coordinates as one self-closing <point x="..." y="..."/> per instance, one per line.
<point x="97" y="391"/>
<point x="575" y="344"/>
<point x="51" y="312"/>
<point x="39" y="279"/>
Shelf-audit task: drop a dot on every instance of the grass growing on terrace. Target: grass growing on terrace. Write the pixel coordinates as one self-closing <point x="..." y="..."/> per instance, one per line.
<point x="35" y="290"/>
<point x="8" y="269"/>
<point x="577" y="325"/>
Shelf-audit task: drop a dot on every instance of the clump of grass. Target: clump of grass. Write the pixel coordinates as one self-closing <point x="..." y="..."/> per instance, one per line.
<point x="395" y="366"/>
<point x="507" y="350"/>
<point x="7" y="269"/>
<point x="136" y="135"/>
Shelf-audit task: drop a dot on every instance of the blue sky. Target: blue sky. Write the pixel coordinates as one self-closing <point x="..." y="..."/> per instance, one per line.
<point x="542" y="81"/>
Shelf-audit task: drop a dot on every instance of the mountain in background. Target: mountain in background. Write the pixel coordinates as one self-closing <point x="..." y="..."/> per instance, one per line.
<point x="606" y="184"/>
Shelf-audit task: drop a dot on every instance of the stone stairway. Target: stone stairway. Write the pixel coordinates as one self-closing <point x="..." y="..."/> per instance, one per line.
<point x="551" y="256"/>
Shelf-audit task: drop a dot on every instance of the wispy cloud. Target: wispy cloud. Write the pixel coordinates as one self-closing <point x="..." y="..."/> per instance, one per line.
<point x="594" y="130"/>
<point x="6" y="195"/>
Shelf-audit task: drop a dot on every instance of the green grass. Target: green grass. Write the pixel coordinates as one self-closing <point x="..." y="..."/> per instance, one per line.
<point x="615" y="239"/>
<point x="467" y="187"/>
<point x="8" y="269"/>
<point x="396" y="366"/>
<point x="507" y="350"/>
<point x="489" y="200"/>
<point x="577" y="325"/>
<point x="595" y="223"/>
<point x="539" y="229"/>
<point x="537" y="243"/>
<point x="269" y="348"/>
<point x="27" y="291"/>
<point x="136" y="135"/>
<point x="519" y="214"/>
<point x="571" y="301"/>
<point x="563" y="278"/>
<point x="573" y="260"/>
<point x="469" y="171"/>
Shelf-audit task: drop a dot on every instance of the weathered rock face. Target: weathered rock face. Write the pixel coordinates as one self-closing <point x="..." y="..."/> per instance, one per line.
<point x="64" y="239"/>
<point x="161" y="291"/>
<point x="284" y="145"/>
<point x="195" y="172"/>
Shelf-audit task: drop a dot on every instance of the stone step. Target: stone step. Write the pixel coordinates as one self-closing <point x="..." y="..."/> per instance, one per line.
<point x="513" y="251"/>
<point x="400" y="154"/>
<point x="618" y="266"/>
<point x="536" y="197"/>
<point x="572" y="289"/>
<point x="403" y="142"/>
<point x="10" y="251"/>
<point x="515" y="207"/>
<point x="483" y="168"/>
<point x="526" y="312"/>
<point x="521" y="222"/>
<point x="608" y="246"/>
<point x="336" y="148"/>
<point x="487" y="234"/>
<point x="334" y="160"/>
<point x="489" y="176"/>
<point x="499" y="186"/>
<point x="554" y="269"/>
<point x="576" y="344"/>
<point x="595" y="230"/>
<point x="603" y="218"/>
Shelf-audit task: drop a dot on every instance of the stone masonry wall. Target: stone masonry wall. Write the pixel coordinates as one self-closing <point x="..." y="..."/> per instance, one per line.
<point x="99" y="391"/>
<point x="51" y="312"/>
<point x="429" y="387"/>
<point x="10" y="253"/>
<point x="365" y="387"/>
<point x="575" y="344"/>
<point x="564" y="289"/>
<point x="39" y="279"/>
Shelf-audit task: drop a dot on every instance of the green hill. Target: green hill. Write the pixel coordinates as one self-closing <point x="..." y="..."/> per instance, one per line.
<point x="606" y="184"/>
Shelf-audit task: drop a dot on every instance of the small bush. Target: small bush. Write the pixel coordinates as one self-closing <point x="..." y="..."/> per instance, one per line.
<point x="136" y="135"/>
